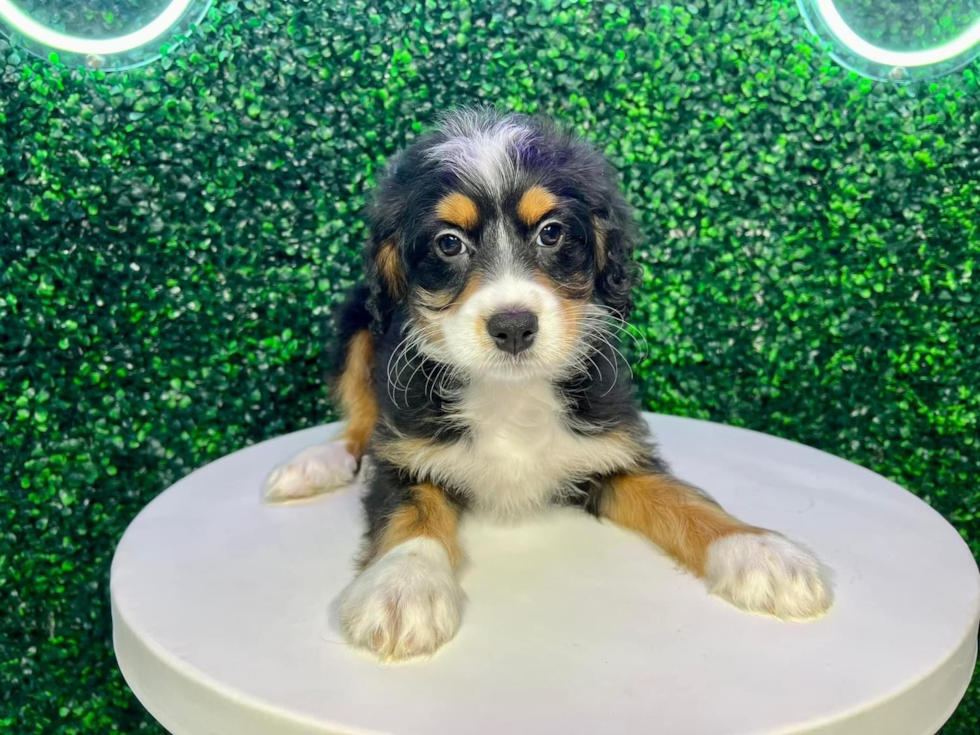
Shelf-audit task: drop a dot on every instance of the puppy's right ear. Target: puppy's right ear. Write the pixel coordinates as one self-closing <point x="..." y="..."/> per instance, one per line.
<point x="385" y="268"/>
<point x="385" y="276"/>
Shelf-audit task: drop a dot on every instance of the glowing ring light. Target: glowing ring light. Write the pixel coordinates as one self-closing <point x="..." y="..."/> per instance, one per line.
<point x="864" y="57"/>
<point x="103" y="52"/>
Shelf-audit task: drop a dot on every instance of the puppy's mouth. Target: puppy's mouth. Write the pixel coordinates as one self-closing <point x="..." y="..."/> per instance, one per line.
<point x="512" y="370"/>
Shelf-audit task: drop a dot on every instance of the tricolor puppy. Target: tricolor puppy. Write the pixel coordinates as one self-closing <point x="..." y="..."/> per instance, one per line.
<point x="479" y="371"/>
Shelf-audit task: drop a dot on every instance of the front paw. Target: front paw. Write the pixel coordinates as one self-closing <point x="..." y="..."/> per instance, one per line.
<point x="313" y="471"/>
<point x="769" y="574"/>
<point x="405" y="605"/>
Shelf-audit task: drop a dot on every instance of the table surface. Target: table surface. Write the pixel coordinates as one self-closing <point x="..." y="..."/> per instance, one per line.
<point x="224" y="611"/>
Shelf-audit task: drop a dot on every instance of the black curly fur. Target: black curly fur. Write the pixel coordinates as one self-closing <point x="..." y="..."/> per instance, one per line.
<point x="401" y="217"/>
<point x="566" y="164"/>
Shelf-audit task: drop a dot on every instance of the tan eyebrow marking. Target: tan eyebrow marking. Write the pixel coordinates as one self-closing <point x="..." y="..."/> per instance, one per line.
<point x="458" y="209"/>
<point x="535" y="204"/>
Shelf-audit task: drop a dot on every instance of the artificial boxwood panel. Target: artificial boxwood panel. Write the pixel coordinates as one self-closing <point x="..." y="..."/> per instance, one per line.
<point x="172" y="238"/>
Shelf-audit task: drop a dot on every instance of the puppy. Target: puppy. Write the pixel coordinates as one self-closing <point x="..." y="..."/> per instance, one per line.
<point x="479" y="370"/>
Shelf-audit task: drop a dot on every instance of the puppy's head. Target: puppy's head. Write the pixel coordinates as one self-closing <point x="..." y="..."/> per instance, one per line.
<point x="507" y="243"/>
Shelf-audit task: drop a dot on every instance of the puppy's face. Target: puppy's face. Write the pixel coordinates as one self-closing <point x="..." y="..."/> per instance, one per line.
<point x="504" y="284"/>
<point x="494" y="236"/>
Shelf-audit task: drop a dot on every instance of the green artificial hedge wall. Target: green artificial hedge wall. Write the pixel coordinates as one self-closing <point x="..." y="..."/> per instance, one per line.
<point x="172" y="237"/>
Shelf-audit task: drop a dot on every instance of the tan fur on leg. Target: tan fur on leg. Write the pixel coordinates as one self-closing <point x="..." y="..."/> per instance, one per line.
<point x="754" y="569"/>
<point x="356" y="392"/>
<point x="428" y="514"/>
<point x="327" y="467"/>
<point x="406" y="602"/>
<point x="676" y="517"/>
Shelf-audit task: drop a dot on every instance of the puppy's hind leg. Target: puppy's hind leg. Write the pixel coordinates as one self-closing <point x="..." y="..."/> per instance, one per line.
<point x="327" y="467"/>
<point x="314" y="471"/>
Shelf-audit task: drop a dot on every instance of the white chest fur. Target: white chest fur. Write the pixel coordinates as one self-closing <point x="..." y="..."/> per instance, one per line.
<point x="519" y="453"/>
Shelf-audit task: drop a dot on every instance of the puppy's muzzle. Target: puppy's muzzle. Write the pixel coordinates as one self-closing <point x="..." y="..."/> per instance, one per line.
<point x="513" y="331"/>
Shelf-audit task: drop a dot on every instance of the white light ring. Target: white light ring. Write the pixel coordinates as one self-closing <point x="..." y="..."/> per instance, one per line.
<point x="908" y="59"/>
<point x="40" y="33"/>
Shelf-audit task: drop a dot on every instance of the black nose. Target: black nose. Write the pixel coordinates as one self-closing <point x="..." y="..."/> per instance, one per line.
<point x="513" y="331"/>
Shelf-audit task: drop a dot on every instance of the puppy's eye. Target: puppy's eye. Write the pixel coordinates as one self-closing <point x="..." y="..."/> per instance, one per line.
<point x="550" y="235"/>
<point x="451" y="246"/>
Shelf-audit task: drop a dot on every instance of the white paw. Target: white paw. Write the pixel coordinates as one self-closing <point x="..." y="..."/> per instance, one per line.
<point x="405" y="605"/>
<point x="313" y="471"/>
<point x="767" y="573"/>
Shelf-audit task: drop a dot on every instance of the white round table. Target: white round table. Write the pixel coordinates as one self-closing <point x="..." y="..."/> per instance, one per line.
<point x="224" y="615"/>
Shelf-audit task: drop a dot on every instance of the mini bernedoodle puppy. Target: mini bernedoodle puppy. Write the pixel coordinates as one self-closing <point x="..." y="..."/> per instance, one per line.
<point x="479" y="373"/>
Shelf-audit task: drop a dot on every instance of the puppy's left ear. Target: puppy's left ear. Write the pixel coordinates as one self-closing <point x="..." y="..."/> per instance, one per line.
<point x="616" y="273"/>
<point x="612" y="218"/>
